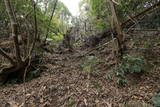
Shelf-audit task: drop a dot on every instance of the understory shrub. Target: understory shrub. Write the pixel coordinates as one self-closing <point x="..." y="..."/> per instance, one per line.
<point x="130" y="65"/>
<point x="89" y="64"/>
<point x="156" y="100"/>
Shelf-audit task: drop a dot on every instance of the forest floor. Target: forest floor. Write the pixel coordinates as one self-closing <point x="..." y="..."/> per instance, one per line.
<point x="66" y="84"/>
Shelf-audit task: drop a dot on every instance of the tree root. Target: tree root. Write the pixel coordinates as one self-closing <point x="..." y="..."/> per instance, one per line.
<point x="10" y="72"/>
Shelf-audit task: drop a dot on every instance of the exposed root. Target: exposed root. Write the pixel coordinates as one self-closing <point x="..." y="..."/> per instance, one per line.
<point x="16" y="71"/>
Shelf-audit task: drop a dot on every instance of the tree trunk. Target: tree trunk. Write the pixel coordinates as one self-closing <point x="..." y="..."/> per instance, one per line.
<point x="55" y="5"/>
<point x="119" y="36"/>
<point x="67" y="40"/>
<point x="19" y="66"/>
<point x="14" y="27"/>
<point x="35" y="32"/>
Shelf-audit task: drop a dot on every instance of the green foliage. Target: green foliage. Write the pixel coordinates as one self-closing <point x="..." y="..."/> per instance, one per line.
<point x="98" y="8"/>
<point x="147" y="45"/>
<point x="96" y="72"/>
<point x="78" y="43"/>
<point x="71" y="102"/>
<point x="25" y="16"/>
<point x="130" y="7"/>
<point x="33" y="74"/>
<point x="98" y="11"/>
<point x="88" y="66"/>
<point x="60" y="20"/>
<point x="132" y="64"/>
<point x="101" y="24"/>
<point x="122" y="82"/>
<point x="156" y="100"/>
<point x="56" y="37"/>
<point x="158" y="70"/>
<point x="129" y="65"/>
<point x="110" y="76"/>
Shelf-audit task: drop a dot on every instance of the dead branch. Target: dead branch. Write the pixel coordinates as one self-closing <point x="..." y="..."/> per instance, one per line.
<point x="97" y="47"/>
<point x="141" y="14"/>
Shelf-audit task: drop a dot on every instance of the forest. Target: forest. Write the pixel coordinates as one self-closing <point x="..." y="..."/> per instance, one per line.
<point x="108" y="55"/>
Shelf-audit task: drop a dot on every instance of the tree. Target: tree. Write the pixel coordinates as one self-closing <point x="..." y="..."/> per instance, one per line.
<point x="14" y="27"/>
<point x="117" y="26"/>
<point x="19" y="63"/>
<point x="54" y="7"/>
<point x="53" y="18"/>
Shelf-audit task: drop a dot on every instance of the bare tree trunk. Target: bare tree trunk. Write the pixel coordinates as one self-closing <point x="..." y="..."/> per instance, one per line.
<point x="14" y="27"/>
<point x="67" y="40"/>
<point x="118" y="28"/>
<point x="54" y="8"/>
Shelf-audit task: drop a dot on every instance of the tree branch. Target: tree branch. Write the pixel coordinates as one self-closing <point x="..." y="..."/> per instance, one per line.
<point x="115" y="2"/>
<point x="141" y="14"/>
<point x="35" y="30"/>
<point x="14" y="27"/>
<point x="4" y="54"/>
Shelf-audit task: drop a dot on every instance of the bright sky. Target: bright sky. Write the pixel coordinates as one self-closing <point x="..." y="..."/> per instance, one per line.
<point x="73" y="6"/>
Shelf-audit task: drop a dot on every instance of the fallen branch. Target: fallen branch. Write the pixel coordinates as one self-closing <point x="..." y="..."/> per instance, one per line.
<point x="157" y="5"/>
<point x="136" y="29"/>
<point x="97" y="48"/>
